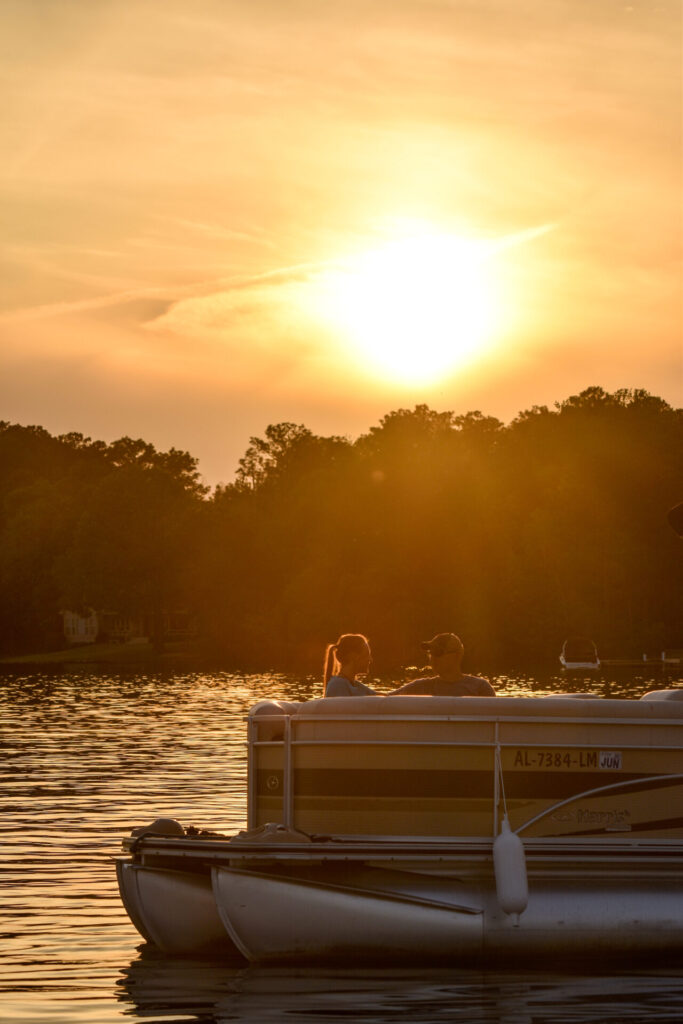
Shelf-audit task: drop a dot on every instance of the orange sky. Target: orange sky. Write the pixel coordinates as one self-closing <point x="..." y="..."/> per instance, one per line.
<point x="181" y="181"/>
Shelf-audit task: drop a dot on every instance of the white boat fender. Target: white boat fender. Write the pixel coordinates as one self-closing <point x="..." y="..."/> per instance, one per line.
<point x="509" y="865"/>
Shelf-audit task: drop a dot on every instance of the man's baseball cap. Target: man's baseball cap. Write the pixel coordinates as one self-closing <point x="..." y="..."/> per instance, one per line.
<point x="443" y="643"/>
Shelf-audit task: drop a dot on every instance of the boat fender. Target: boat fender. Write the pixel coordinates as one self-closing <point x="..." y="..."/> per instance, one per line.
<point x="509" y="864"/>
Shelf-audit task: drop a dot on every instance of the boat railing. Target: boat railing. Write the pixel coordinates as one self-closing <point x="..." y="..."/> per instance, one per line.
<point x="282" y="728"/>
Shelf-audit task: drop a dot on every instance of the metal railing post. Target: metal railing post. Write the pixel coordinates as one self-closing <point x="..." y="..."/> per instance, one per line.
<point x="251" y="772"/>
<point x="287" y="779"/>
<point x="497" y="767"/>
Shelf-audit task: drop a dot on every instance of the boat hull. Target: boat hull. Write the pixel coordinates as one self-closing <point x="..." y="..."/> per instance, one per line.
<point x="271" y="917"/>
<point x="173" y="910"/>
<point x="278" y="918"/>
<point x="588" y="919"/>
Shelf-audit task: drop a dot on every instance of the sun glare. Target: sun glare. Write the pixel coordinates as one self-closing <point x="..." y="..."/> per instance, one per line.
<point x="418" y="307"/>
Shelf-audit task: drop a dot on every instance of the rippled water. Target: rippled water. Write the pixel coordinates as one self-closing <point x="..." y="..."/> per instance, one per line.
<point x="86" y="757"/>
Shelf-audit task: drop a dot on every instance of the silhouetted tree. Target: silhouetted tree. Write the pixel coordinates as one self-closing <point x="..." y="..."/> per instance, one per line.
<point x="517" y="536"/>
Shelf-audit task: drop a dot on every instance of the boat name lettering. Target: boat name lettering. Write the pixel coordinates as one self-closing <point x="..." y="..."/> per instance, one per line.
<point x="610" y="759"/>
<point x="563" y="816"/>
<point x="604" y="818"/>
<point x="586" y="817"/>
<point x="558" y="759"/>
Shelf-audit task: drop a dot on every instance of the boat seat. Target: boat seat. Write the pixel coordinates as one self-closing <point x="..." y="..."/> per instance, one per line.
<point x="422" y="718"/>
<point x="271" y="716"/>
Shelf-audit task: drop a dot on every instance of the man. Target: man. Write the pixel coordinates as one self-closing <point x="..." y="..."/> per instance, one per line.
<point x="445" y="654"/>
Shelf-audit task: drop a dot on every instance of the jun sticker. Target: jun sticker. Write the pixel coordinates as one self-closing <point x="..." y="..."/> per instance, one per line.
<point x="610" y="759"/>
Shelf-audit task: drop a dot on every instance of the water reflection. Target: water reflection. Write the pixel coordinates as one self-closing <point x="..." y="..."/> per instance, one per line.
<point x="205" y="990"/>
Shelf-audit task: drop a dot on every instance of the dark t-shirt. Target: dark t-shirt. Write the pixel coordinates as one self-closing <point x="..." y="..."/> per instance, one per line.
<point x="435" y="686"/>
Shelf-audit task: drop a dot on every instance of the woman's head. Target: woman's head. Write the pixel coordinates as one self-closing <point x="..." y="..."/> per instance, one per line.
<point x="350" y="654"/>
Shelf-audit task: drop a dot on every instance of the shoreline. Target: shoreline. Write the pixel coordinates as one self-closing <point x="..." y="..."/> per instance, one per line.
<point x="104" y="654"/>
<point x="191" y="657"/>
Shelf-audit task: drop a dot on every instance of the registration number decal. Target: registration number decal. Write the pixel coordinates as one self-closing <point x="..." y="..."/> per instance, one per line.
<point x="532" y="758"/>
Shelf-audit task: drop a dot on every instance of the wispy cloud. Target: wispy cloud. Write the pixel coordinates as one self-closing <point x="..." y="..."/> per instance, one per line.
<point x="219" y="231"/>
<point x="57" y="309"/>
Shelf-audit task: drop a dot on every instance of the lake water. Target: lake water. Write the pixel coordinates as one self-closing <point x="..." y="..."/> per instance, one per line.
<point x="85" y="757"/>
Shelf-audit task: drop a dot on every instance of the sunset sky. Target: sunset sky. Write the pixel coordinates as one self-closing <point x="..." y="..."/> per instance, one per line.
<point x="221" y="214"/>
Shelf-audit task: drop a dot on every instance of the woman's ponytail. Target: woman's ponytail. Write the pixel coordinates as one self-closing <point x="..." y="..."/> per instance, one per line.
<point x="328" y="664"/>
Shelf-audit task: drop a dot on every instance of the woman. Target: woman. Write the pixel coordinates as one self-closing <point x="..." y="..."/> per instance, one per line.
<point x="346" y="659"/>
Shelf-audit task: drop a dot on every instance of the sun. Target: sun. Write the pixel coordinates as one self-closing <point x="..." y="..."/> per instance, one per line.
<point x="417" y="307"/>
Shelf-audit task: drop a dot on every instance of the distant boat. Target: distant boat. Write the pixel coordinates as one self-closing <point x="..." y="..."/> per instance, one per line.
<point x="579" y="652"/>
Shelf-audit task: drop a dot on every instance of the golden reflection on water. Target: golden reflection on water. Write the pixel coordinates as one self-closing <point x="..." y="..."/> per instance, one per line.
<point x="85" y="758"/>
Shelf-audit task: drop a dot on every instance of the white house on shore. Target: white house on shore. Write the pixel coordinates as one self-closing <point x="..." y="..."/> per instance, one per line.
<point x="90" y="626"/>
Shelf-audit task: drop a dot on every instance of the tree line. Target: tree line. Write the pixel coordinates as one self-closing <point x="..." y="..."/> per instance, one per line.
<point x="514" y="536"/>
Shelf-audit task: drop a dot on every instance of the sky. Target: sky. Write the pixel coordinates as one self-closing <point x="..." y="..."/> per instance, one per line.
<point x="228" y="213"/>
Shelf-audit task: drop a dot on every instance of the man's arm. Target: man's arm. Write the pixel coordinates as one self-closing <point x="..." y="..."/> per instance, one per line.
<point x="418" y="686"/>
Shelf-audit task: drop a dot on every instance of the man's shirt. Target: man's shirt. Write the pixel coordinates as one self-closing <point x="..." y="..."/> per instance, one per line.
<point x="435" y="686"/>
